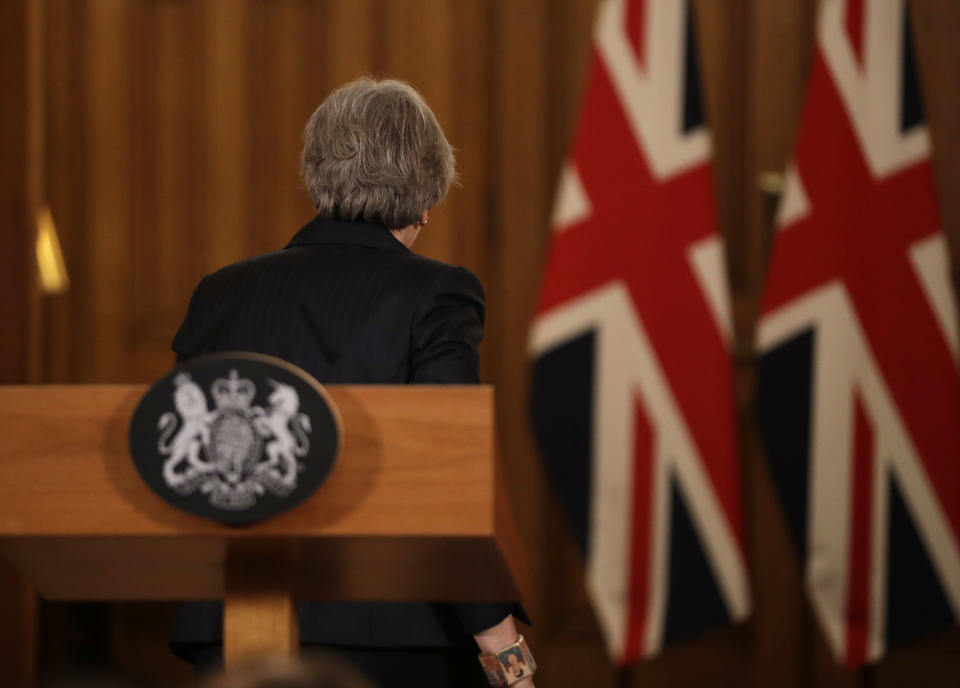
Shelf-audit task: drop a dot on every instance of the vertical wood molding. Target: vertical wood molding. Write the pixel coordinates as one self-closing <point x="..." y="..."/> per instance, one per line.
<point x="523" y="193"/>
<point x="36" y="158"/>
<point x="160" y="266"/>
<point x="419" y="50"/>
<point x="56" y="363"/>
<point x="470" y="85"/>
<point x="292" y="203"/>
<point x="778" y="45"/>
<point x="262" y="106"/>
<point x="570" y="51"/>
<point x="936" y="25"/>
<point x="68" y="348"/>
<point x="19" y="183"/>
<point x="21" y="194"/>
<point x="781" y="48"/>
<point x="111" y="187"/>
<point x="226" y="225"/>
<point x="18" y="633"/>
<point x="349" y="30"/>
<point x="723" y="37"/>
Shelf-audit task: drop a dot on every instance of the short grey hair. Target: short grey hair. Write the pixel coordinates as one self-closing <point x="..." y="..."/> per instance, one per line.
<point x="374" y="151"/>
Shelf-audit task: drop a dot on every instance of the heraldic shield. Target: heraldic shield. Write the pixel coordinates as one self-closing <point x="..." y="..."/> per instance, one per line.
<point x="235" y="437"/>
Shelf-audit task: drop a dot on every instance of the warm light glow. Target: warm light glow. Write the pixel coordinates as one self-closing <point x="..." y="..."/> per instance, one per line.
<point x="771" y="183"/>
<point x="53" y="271"/>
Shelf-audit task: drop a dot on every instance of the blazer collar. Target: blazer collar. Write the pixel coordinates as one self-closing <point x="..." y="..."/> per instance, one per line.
<point x="357" y="233"/>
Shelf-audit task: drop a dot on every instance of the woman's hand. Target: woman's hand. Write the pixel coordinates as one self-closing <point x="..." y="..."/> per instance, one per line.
<point x="496" y="638"/>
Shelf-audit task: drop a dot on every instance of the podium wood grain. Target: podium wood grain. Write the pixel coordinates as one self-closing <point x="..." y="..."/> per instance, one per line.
<point x="413" y="510"/>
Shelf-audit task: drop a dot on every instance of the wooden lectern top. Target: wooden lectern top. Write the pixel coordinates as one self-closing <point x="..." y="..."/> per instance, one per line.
<point x="414" y="509"/>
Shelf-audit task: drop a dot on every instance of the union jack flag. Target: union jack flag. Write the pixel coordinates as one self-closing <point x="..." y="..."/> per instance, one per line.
<point x="858" y="391"/>
<point x="632" y="400"/>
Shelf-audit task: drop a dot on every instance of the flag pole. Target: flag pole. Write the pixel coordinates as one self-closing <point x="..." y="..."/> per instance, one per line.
<point x="625" y="677"/>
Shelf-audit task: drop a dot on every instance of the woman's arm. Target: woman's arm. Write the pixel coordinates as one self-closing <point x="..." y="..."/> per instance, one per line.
<point x="446" y="333"/>
<point x="447" y="329"/>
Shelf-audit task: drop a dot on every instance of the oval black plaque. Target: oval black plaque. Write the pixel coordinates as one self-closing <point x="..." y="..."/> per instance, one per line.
<point x="235" y="437"/>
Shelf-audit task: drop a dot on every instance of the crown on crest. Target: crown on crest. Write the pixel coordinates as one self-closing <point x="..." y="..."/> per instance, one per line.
<point x="233" y="393"/>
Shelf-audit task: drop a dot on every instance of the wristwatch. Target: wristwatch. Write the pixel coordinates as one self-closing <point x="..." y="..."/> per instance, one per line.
<point x="509" y="665"/>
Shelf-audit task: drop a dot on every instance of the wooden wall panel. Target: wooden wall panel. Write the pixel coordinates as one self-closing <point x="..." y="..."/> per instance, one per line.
<point x="261" y="101"/>
<point x="778" y="43"/>
<point x="523" y="189"/>
<point x="21" y="140"/>
<point x="419" y="40"/>
<point x="298" y="55"/>
<point x="470" y="132"/>
<point x="168" y="256"/>
<point x="348" y="29"/>
<point x="565" y="626"/>
<point x="936" y="24"/>
<point x="59" y="77"/>
<point x="65" y="165"/>
<point x="22" y="30"/>
<point x="110" y="81"/>
<point x="18" y="634"/>
<point x="161" y="203"/>
<point x="226" y="65"/>
<point x="173" y="136"/>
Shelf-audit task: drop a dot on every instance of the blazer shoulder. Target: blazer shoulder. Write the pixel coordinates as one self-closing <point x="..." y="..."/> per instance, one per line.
<point x="437" y="275"/>
<point x="275" y="261"/>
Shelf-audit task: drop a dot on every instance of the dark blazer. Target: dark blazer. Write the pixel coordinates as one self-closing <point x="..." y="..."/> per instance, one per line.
<point x="349" y="304"/>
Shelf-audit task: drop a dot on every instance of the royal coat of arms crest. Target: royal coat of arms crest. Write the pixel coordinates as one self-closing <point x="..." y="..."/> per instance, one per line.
<point x="236" y="437"/>
<point x="238" y="451"/>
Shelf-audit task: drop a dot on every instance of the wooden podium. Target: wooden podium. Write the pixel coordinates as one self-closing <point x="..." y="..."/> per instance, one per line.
<point x="415" y="509"/>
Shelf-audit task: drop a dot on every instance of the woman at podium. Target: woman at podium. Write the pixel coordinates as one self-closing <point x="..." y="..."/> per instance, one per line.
<point x="349" y="302"/>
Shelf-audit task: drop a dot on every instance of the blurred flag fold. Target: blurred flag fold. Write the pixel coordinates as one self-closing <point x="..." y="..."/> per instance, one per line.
<point x="632" y="399"/>
<point x="858" y="394"/>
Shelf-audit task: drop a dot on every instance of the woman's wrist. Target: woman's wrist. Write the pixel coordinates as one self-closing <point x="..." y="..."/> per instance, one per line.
<point x="505" y="657"/>
<point x="497" y="637"/>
